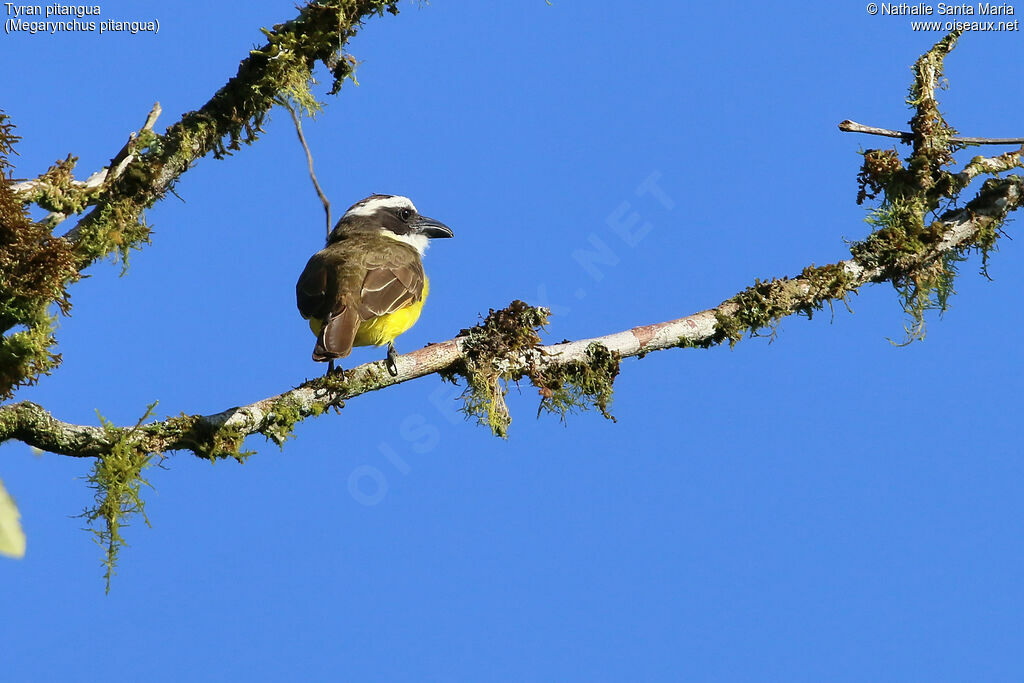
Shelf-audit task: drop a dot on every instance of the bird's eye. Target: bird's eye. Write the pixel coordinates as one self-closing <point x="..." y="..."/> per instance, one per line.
<point x="405" y="214"/>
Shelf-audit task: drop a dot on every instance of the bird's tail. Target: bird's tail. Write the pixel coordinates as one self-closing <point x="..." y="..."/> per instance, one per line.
<point x="336" y="338"/>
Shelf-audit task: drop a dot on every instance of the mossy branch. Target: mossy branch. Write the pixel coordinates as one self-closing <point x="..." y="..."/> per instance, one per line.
<point x="510" y="348"/>
<point x="914" y="191"/>
<point x="917" y="254"/>
<point x="35" y="269"/>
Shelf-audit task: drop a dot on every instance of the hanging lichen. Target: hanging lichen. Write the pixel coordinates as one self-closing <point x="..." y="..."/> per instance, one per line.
<point x="495" y="353"/>
<point x="117" y="480"/>
<point x="578" y="385"/>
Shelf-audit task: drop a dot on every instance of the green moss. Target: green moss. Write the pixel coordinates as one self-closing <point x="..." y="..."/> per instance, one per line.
<point x="727" y="328"/>
<point x="496" y="352"/>
<point x="341" y="383"/>
<point x="760" y="308"/>
<point x="687" y="343"/>
<point x="27" y="354"/>
<point x="931" y="134"/>
<point x="484" y="399"/>
<point x="35" y="271"/>
<point x="117" y="229"/>
<point x="281" y="420"/>
<point x="990" y="222"/>
<point x="901" y="246"/>
<point x="334" y="383"/>
<point x="206" y="441"/>
<point x="880" y="170"/>
<point x="56" y="191"/>
<point x="903" y="243"/>
<point x="117" y="480"/>
<point x="579" y="385"/>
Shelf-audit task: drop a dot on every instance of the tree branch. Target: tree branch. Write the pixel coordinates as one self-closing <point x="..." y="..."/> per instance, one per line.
<point x="849" y="126"/>
<point x="221" y="434"/>
<point x="29" y="190"/>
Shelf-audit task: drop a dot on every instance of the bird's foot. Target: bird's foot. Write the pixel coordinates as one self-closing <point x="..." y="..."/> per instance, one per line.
<point x="391" y="361"/>
<point x="332" y="370"/>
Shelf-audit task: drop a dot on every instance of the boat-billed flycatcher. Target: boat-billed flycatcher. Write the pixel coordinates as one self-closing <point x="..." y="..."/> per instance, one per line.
<point x="367" y="285"/>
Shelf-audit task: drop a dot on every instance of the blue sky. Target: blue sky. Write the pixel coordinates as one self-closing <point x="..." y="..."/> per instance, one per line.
<point x="824" y="507"/>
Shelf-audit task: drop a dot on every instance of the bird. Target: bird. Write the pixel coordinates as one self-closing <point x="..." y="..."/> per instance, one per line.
<point x="367" y="285"/>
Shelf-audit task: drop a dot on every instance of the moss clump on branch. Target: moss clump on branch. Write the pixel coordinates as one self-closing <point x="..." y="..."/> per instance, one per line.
<point x="899" y="248"/>
<point x="495" y="352"/>
<point x="27" y="354"/>
<point x="501" y="350"/>
<point x="282" y="417"/>
<point x="930" y="285"/>
<point x="117" y="480"/>
<point x="56" y="190"/>
<point x="342" y="384"/>
<point x="35" y="270"/>
<point x="197" y="434"/>
<point x="932" y="147"/>
<point x="210" y="441"/>
<point x="989" y="209"/>
<point x="763" y="305"/>
<point x="904" y="243"/>
<point x="881" y="170"/>
<point x="579" y="384"/>
<point x="902" y="236"/>
<point x="118" y="229"/>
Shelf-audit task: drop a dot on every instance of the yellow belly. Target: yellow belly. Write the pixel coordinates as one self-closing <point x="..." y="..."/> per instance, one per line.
<point x="383" y="329"/>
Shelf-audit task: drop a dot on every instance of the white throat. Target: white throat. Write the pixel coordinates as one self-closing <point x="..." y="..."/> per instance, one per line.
<point x="417" y="242"/>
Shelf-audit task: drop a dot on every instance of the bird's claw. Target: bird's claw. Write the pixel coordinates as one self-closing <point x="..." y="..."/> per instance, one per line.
<point x="334" y="370"/>
<point x="391" y="361"/>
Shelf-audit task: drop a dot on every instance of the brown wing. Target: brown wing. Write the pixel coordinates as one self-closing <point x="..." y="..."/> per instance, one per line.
<point x="311" y="289"/>
<point x="390" y="288"/>
<point x="344" y="290"/>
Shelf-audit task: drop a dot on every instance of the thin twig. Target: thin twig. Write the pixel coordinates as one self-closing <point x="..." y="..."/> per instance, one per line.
<point x="854" y="127"/>
<point x="108" y="173"/>
<point x="309" y="159"/>
<point x="123" y="157"/>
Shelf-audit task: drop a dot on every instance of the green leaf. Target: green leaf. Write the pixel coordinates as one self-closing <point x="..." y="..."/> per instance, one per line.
<point x="12" y="538"/>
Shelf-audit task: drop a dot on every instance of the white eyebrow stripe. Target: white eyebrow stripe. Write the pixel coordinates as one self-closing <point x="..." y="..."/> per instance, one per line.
<point x="368" y="207"/>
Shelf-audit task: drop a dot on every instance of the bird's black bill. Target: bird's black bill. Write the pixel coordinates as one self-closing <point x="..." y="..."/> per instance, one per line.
<point x="431" y="228"/>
